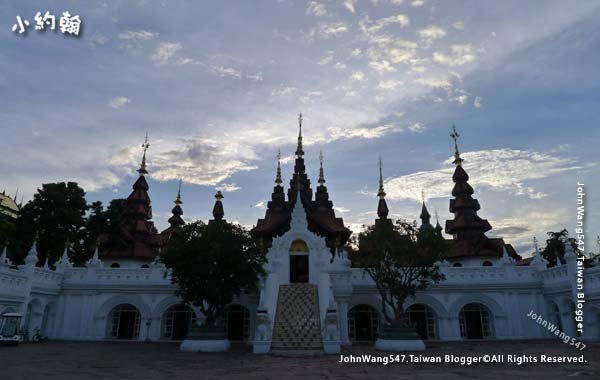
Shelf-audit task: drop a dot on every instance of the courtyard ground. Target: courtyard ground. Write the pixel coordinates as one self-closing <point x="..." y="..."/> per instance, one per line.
<point x="149" y="361"/>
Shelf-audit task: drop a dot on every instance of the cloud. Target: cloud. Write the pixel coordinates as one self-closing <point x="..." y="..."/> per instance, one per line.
<point x="349" y="4"/>
<point x="363" y="132"/>
<point x="356" y="52"/>
<point x="119" y="102"/>
<point x="477" y="102"/>
<point x="358" y="76"/>
<point x="316" y="9"/>
<point x="341" y="209"/>
<point x="132" y="40"/>
<point x="504" y="169"/>
<point x="417" y="3"/>
<point x="164" y="52"/>
<point x="339" y="65"/>
<point x="417" y="128"/>
<point x="459" y="55"/>
<point x="434" y="82"/>
<point x="326" y="59"/>
<point x="258" y="77"/>
<point x="228" y="187"/>
<point x="431" y="33"/>
<point x="283" y="91"/>
<point x="389" y="84"/>
<point x="328" y="30"/>
<point x="260" y="205"/>
<point x="228" y="72"/>
<point x="206" y="162"/>
<point x="382" y="66"/>
<point x="372" y="27"/>
<point x="280" y="35"/>
<point x="458" y="25"/>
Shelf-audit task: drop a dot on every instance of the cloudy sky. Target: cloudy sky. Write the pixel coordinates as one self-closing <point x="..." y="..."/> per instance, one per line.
<point x="218" y="87"/>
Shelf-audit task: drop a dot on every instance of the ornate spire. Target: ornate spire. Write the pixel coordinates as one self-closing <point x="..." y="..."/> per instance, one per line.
<point x="457" y="160"/>
<point x="381" y="193"/>
<point x="299" y="151"/>
<point x="217" y="211"/>
<point x="466" y="225"/>
<point x="382" y="208"/>
<point x="142" y="170"/>
<point x="278" y="180"/>
<point x="176" y="221"/>
<point x="321" y="176"/>
<point x="425" y="216"/>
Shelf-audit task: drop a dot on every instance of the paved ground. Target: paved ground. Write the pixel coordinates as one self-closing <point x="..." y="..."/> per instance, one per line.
<point x="149" y="361"/>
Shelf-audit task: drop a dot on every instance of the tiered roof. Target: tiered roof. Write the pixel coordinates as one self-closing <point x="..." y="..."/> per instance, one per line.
<point x="320" y="214"/>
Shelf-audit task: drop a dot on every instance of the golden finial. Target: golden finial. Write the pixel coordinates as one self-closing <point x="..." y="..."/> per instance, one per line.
<point x="219" y="195"/>
<point x="457" y="160"/>
<point x="381" y="193"/>
<point x="321" y="175"/>
<point x="142" y="170"/>
<point x="278" y="180"/>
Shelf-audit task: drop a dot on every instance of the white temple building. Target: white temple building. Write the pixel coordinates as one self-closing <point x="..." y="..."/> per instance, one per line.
<point x="125" y="293"/>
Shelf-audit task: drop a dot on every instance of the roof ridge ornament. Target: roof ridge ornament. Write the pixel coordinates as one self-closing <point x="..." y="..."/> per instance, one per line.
<point x="457" y="159"/>
<point x="142" y="170"/>
<point x="178" y="199"/>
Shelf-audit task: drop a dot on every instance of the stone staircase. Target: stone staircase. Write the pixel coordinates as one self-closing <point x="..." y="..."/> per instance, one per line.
<point x="297" y="320"/>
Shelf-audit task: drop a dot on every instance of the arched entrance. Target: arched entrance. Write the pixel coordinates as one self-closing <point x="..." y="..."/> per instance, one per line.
<point x="124" y="322"/>
<point x="238" y="321"/>
<point x="475" y="322"/>
<point x="299" y="261"/>
<point x="424" y="319"/>
<point x="363" y="323"/>
<point x="176" y="322"/>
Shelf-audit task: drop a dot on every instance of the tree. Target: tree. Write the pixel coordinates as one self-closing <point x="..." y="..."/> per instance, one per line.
<point x="53" y="217"/>
<point x="100" y="221"/>
<point x="554" y="251"/>
<point x="7" y="229"/>
<point x="400" y="260"/>
<point x="211" y="263"/>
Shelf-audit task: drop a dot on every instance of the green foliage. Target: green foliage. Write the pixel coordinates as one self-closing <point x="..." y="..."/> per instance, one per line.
<point x="400" y="261"/>
<point x="100" y="222"/>
<point x="211" y="263"/>
<point x="554" y="251"/>
<point x="7" y="229"/>
<point x="54" y="216"/>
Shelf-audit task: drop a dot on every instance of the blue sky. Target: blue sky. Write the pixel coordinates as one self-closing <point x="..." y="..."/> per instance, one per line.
<point x="218" y="87"/>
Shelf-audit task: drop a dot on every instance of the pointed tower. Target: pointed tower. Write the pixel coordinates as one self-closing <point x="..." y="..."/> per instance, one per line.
<point x="382" y="208"/>
<point x="467" y="228"/>
<point x="319" y="212"/>
<point x="175" y="221"/>
<point x="137" y="237"/>
<point x="217" y="211"/>
<point x="425" y="216"/>
<point x="438" y="228"/>
<point x="322" y="195"/>
<point x="299" y="180"/>
<point x="467" y="225"/>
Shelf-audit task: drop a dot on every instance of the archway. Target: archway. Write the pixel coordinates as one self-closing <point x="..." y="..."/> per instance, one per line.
<point x="45" y="317"/>
<point x="238" y="322"/>
<point x="124" y="322"/>
<point x="176" y="322"/>
<point x="555" y="311"/>
<point x="363" y="323"/>
<point x="299" y="261"/>
<point x="424" y="319"/>
<point x="475" y="322"/>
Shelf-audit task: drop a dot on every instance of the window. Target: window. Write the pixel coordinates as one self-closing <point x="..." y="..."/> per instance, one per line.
<point x="487" y="263"/>
<point x="145" y="266"/>
<point x="115" y="265"/>
<point x="456" y="265"/>
<point x="177" y="321"/>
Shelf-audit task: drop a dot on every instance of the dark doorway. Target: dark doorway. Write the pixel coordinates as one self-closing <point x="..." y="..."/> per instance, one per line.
<point x="475" y="322"/>
<point x="423" y="318"/>
<point x="237" y="323"/>
<point x="363" y="324"/>
<point x="299" y="268"/>
<point x="125" y="322"/>
<point x="473" y="325"/>
<point x="176" y="322"/>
